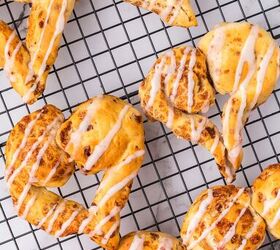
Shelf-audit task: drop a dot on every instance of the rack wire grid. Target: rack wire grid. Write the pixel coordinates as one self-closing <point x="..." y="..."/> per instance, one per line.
<point x="108" y="47"/>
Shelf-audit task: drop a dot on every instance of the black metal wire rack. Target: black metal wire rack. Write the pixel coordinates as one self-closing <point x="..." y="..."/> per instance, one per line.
<point x="108" y="47"/>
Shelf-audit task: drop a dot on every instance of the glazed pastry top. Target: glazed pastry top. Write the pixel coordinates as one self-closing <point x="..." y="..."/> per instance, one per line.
<point x="266" y="197"/>
<point x="243" y="60"/>
<point x="178" y="86"/>
<point x="27" y="65"/>
<point x="173" y="12"/>
<point x="222" y="218"/>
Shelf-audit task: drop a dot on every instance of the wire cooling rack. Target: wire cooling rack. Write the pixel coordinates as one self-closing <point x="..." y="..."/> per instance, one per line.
<point x="108" y="47"/>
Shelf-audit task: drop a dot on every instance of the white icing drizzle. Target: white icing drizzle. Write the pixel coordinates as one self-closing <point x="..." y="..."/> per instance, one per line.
<point x="86" y="221"/>
<point x="27" y="132"/>
<point x="33" y="148"/>
<point x="247" y="56"/>
<point x="58" y="210"/>
<point x="97" y="229"/>
<point x="156" y="83"/>
<point x="51" y="173"/>
<point x="117" y="187"/>
<point x="165" y="243"/>
<point x="268" y="204"/>
<point x="9" y="60"/>
<point x="117" y="168"/>
<point x="167" y="11"/>
<point x="67" y="223"/>
<point x="275" y="220"/>
<point x="137" y="243"/>
<point x="214" y="53"/>
<point x="76" y="135"/>
<point x="231" y="232"/>
<point x="60" y="22"/>
<point x="171" y="68"/>
<point x="170" y="118"/>
<point x="28" y="206"/>
<point x="176" y="11"/>
<point x="179" y="74"/>
<point x="215" y="143"/>
<point x="110" y="232"/>
<point x="249" y="235"/>
<point x="196" y="132"/>
<point x="191" y="81"/>
<point x="33" y="171"/>
<point x="262" y="72"/>
<point x="214" y="224"/>
<point x="100" y="148"/>
<point x="44" y="219"/>
<point x="198" y="215"/>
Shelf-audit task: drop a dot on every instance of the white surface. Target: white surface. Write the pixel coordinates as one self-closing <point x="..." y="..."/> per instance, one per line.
<point x="152" y="204"/>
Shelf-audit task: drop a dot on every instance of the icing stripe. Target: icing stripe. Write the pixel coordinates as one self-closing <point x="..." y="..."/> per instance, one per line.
<point x="51" y="173"/>
<point x="137" y="243"/>
<point x="67" y="223"/>
<point x="156" y="83"/>
<point x="170" y="118"/>
<point x="249" y="235"/>
<point x="76" y="135"/>
<point x="118" y="168"/>
<point x="117" y="187"/>
<point x="191" y="81"/>
<point x="262" y="72"/>
<point x="44" y="219"/>
<point x="214" y="224"/>
<point x="28" y="206"/>
<point x="179" y="74"/>
<point x="247" y="56"/>
<point x="268" y="204"/>
<point x="215" y="143"/>
<point x="22" y="145"/>
<point x="231" y="232"/>
<point x="110" y="232"/>
<point x="197" y="217"/>
<point x="60" y="22"/>
<point x="165" y="243"/>
<point x="59" y="209"/>
<point x="100" y="149"/>
<point x="86" y="221"/>
<point x="97" y="229"/>
<point x="33" y="148"/>
<point x="196" y="132"/>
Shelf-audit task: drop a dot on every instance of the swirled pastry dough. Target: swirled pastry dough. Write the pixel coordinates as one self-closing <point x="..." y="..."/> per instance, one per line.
<point x="222" y="218"/>
<point x="173" y="12"/>
<point x="266" y="198"/>
<point x="243" y="61"/>
<point x="174" y="91"/>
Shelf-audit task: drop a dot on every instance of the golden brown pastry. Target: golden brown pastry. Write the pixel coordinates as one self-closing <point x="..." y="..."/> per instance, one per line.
<point x="178" y="86"/>
<point x="104" y="133"/>
<point x="266" y="198"/>
<point x="27" y="65"/>
<point x="243" y="61"/>
<point x="222" y="218"/>
<point x="173" y="12"/>
<point x="107" y="134"/>
<point x="144" y="240"/>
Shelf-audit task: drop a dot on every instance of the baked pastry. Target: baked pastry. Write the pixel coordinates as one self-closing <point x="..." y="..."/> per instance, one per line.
<point x="266" y="198"/>
<point x="174" y="91"/>
<point x="222" y="218"/>
<point x="104" y="133"/>
<point x="175" y="12"/>
<point x="107" y="134"/>
<point x="150" y="241"/>
<point x="27" y="65"/>
<point x="243" y="60"/>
